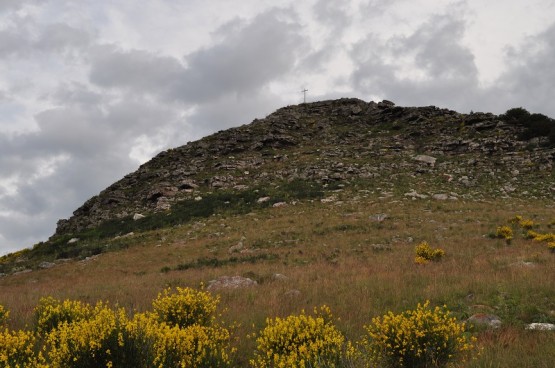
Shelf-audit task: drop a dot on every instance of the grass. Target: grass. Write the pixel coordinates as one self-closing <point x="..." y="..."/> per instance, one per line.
<point x="328" y="253"/>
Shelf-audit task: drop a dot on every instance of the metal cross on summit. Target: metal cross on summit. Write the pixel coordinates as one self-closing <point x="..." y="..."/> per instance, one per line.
<point x="304" y="91"/>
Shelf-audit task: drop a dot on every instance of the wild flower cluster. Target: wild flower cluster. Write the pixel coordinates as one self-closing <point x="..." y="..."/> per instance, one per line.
<point x="185" y="307"/>
<point x="423" y="337"/>
<point x="504" y="232"/>
<point x="300" y="341"/>
<point x="4" y="314"/>
<point x="425" y="253"/>
<point x="17" y="349"/>
<point x="181" y="332"/>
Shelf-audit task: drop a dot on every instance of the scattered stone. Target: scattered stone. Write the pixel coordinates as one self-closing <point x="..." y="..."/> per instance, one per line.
<point x="379" y="217"/>
<point x="525" y="264"/>
<point x="230" y="282"/>
<point x="426" y="159"/>
<point x="262" y="199"/>
<point x="198" y="198"/>
<point x="440" y="197"/>
<point x="138" y="216"/>
<point x="237" y="247"/>
<point x="487" y="320"/>
<point x="26" y="270"/>
<point x="279" y="204"/>
<point x="414" y="195"/>
<point x="46" y="265"/>
<point x="279" y="277"/>
<point x="541" y="326"/>
<point x="73" y="240"/>
<point x="329" y="199"/>
<point x="293" y="293"/>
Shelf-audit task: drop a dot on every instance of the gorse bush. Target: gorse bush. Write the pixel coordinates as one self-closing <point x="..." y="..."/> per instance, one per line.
<point x="300" y="341"/>
<point x="425" y="253"/>
<point x="423" y="337"/>
<point x="504" y="232"/>
<point x="185" y="307"/>
<point x="17" y="350"/>
<point x="4" y="314"/>
<point x="50" y="313"/>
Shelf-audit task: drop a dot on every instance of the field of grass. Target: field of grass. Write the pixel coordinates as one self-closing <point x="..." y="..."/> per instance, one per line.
<point x="338" y="254"/>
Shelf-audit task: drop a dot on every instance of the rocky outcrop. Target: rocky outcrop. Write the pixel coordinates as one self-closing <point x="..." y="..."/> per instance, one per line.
<point x="334" y="142"/>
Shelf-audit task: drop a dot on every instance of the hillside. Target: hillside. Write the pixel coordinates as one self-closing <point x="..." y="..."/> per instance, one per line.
<point x="307" y="151"/>
<point x="323" y="204"/>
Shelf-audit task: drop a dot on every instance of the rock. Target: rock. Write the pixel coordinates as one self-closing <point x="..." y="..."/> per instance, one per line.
<point x="279" y="277"/>
<point x="198" y="198"/>
<point x="73" y="240"/>
<point x="293" y="293"/>
<point x="230" y="282"/>
<point x="46" y="265"/>
<point x="487" y="320"/>
<point x="541" y="326"/>
<point x="379" y="217"/>
<point x="440" y="197"/>
<point x="237" y="247"/>
<point x="138" y="216"/>
<point x="413" y="194"/>
<point x="279" y="204"/>
<point x="426" y="159"/>
<point x="262" y="199"/>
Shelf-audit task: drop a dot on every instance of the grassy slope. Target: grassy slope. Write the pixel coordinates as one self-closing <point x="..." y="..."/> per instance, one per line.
<point x="335" y="254"/>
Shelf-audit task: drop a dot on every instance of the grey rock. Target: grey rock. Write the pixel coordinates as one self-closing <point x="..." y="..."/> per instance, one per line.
<point x="482" y="319"/>
<point x="46" y="265"/>
<point x="541" y="326"/>
<point x="230" y="282"/>
<point x="138" y="216"/>
<point x="426" y="159"/>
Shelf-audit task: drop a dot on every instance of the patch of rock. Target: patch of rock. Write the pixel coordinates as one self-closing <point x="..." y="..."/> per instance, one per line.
<point x="230" y="283"/>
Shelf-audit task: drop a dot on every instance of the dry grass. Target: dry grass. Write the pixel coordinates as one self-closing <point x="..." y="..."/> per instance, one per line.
<point x="338" y="256"/>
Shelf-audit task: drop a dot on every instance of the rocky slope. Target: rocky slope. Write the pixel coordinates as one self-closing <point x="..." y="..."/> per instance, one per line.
<point x="417" y="150"/>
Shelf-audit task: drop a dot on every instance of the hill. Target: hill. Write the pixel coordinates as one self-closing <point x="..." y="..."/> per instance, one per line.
<point x="324" y="203"/>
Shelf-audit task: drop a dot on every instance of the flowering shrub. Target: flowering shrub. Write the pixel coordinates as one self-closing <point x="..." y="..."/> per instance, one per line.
<point x="93" y="342"/>
<point x="416" y="338"/>
<point x="548" y="237"/>
<point x="425" y="253"/>
<point x="504" y="232"/>
<point x="17" y="349"/>
<point x="300" y="341"/>
<point x="50" y="313"/>
<point x="4" y="314"/>
<point x="185" y="307"/>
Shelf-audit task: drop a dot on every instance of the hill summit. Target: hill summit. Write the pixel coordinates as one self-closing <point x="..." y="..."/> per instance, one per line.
<point x="310" y="150"/>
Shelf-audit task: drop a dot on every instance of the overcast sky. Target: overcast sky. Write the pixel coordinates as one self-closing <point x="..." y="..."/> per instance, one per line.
<point x="90" y="89"/>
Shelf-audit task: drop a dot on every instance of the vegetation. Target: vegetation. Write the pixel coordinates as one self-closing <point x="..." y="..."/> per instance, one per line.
<point x="537" y="125"/>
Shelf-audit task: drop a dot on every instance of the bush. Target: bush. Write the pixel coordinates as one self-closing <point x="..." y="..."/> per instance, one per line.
<point x="89" y="343"/>
<point x="300" y="342"/>
<point x="537" y="125"/>
<point x="17" y="349"/>
<point x="185" y="307"/>
<point x="50" y="313"/>
<point x="425" y="253"/>
<point x="4" y="314"/>
<point x="504" y="232"/>
<point x="416" y="338"/>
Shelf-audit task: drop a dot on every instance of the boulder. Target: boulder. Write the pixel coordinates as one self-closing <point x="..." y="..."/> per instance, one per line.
<point x="230" y="282"/>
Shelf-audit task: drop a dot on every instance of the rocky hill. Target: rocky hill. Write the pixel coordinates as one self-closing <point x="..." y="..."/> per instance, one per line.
<point x="335" y="142"/>
<point x="309" y="151"/>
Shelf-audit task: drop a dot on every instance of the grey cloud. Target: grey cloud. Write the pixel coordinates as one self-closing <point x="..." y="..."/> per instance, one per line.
<point x="447" y="73"/>
<point x="251" y="54"/>
<point x="137" y="70"/>
<point x="60" y="37"/>
<point x="530" y="77"/>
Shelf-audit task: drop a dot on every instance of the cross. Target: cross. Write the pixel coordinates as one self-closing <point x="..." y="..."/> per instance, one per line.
<point x="304" y="91"/>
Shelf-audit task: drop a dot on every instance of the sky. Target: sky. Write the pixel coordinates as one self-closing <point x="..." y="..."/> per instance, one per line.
<point x="91" y="89"/>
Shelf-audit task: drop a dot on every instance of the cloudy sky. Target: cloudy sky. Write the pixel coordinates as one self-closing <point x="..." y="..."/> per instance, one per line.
<point x="90" y="89"/>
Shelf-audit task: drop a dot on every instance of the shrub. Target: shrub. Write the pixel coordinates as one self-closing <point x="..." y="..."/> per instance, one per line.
<point x="504" y="232"/>
<point x="416" y="338"/>
<point x="4" y="314"/>
<point x="89" y="343"/>
<point x="194" y="346"/>
<point x="17" y="349"/>
<point x="300" y="341"/>
<point x="185" y="307"/>
<point x="50" y="313"/>
<point x="425" y="253"/>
